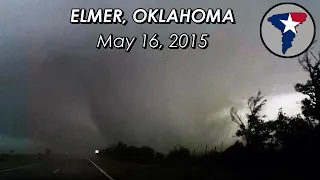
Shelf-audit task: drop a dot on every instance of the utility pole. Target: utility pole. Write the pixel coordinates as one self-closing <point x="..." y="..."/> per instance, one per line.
<point x="205" y="153"/>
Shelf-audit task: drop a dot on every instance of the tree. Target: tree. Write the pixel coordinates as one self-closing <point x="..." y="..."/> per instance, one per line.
<point x="178" y="152"/>
<point x="48" y="151"/>
<point x="310" y="63"/>
<point x="254" y="132"/>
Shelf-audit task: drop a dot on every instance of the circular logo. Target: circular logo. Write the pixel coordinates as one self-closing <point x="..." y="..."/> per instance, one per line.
<point x="287" y="30"/>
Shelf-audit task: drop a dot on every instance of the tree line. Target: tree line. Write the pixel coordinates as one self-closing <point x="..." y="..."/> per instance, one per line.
<point x="284" y="143"/>
<point x="299" y="133"/>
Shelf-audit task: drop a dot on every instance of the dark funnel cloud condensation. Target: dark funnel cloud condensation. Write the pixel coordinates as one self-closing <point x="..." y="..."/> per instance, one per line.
<point x="59" y="91"/>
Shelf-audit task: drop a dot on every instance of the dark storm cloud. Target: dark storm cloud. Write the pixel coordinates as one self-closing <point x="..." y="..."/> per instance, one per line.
<point x="82" y="98"/>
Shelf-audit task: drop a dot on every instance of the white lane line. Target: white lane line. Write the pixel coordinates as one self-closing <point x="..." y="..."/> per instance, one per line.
<point x="20" y="167"/>
<point x="55" y="171"/>
<point x="102" y="171"/>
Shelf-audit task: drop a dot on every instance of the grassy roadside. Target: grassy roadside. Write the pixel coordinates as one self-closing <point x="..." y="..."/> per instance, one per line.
<point x="171" y="171"/>
<point x="127" y="170"/>
<point x="12" y="161"/>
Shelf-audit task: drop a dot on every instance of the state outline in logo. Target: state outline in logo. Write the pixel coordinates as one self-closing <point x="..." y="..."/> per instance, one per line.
<point x="264" y="19"/>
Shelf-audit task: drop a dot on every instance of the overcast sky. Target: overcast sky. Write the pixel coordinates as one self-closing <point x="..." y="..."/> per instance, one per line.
<point x="57" y="90"/>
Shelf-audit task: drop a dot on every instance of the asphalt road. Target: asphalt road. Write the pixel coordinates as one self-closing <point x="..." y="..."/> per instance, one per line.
<point x="72" y="168"/>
